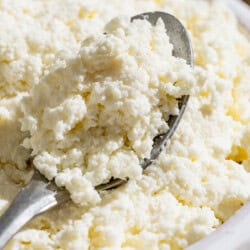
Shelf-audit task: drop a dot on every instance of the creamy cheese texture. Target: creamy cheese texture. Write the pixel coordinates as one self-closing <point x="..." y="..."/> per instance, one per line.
<point x="95" y="116"/>
<point x="200" y="179"/>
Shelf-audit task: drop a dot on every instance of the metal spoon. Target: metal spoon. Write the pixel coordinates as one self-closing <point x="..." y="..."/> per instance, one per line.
<point x="40" y="194"/>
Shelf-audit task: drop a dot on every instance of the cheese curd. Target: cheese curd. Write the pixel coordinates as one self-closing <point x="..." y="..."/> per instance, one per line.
<point x="96" y="116"/>
<point x="198" y="181"/>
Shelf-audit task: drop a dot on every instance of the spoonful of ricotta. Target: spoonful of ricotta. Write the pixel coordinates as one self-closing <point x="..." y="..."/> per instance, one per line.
<point x="103" y="116"/>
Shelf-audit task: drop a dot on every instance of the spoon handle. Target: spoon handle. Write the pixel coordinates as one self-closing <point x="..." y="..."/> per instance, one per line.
<point x="38" y="196"/>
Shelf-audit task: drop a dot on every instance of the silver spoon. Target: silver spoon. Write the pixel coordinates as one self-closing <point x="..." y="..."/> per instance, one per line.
<point x="40" y="194"/>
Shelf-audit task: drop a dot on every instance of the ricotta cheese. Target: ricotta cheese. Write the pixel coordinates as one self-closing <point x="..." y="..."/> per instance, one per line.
<point x="95" y="117"/>
<point x="200" y="179"/>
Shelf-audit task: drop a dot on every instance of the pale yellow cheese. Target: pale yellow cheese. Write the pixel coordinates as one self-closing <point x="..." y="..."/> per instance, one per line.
<point x="96" y="117"/>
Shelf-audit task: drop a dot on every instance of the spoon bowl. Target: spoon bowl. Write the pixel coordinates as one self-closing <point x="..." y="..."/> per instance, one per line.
<point x="182" y="48"/>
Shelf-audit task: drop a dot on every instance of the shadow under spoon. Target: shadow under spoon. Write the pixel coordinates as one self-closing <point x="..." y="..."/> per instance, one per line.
<point x="40" y="194"/>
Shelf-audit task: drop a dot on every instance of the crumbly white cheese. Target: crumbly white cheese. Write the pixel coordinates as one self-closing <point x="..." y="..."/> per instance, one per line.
<point x="95" y="117"/>
<point x="198" y="182"/>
